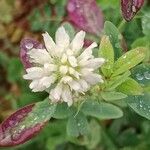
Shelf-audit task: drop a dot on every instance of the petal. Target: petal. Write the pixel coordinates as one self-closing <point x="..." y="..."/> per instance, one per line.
<point x="33" y="73"/>
<point x="49" y="43"/>
<point x="36" y="87"/>
<point x="55" y="94"/>
<point x="67" y="96"/>
<point x="94" y="63"/>
<point x="66" y="79"/>
<point x="74" y="85"/>
<point x="40" y="56"/>
<point x="93" y="78"/>
<point x="63" y="69"/>
<point x="47" y="81"/>
<point x="74" y="73"/>
<point x="64" y="58"/>
<point x="87" y="53"/>
<point x="84" y="84"/>
<point x="49" y="68"/>
<point x="34" y="84"/>
<point x="78" y="42"/>
<point x="62" y="38"/>
<point x="73" y="61"/>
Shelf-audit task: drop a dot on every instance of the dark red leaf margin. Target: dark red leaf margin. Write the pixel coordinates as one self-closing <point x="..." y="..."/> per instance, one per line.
<point x="11" y="137"/>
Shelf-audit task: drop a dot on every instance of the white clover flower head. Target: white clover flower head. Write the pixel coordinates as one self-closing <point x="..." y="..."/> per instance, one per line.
<point x="63" y="68"/>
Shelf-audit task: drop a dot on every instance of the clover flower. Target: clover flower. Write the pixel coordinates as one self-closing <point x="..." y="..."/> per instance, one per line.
<point x="63" y="68"/>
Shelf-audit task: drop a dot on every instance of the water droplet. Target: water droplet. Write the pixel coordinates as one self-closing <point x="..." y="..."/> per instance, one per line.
<point x="29" y="45"/>
<point x="11" y="122"/>
<point x="129" y="62"/>
<point x="141" y="106"/>
<point x="147" y="75"/>
<point x="35" y="118"/>
<point x="22" y="127"/>
<point x="79" y="124"/>
<point x="139" y="77"/>
<point x="144" y="108"/>
<point x="133" y="9"/>
<point x="124" y="56"/>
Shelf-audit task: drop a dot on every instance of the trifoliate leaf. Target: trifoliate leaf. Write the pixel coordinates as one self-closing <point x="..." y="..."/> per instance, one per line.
<point x="101" y="110"/>
<point x="129" y="60"/>
<point x="130" y="87"/>
<point x="77" y="125"/>
<point x="106" y="51"/>
<point x="140" y="104"/>
<point x="111" y="96"/>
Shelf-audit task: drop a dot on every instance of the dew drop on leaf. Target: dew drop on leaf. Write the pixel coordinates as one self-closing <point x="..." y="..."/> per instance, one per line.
<point x="29" y="45"/>
<point x="147" y="75"/>
<point x="139" y="76"/>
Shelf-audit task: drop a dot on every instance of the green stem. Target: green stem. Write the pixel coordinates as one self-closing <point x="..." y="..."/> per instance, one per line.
<point x="122" y="25"/>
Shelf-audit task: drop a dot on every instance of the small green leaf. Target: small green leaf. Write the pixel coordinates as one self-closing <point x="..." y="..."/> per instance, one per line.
<point x="129" y="60"/>
<point x="70" y="30"/>
<point x="130" y="87"/>
<point x="140" y="104"/>
<point x="106" y="51"/>
<point x="94" y="136"/>
<point x="63" y="111"/>
<point x="116" y="81"/>
<point x="101" y="110"/>
<point x="77" y="125"/>
<point x="111" y="96"/>
<point x="115" y="37"/>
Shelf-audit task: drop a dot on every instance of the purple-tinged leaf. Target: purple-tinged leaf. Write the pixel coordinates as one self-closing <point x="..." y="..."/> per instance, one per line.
<point x="25" y="123"/>
<point x="130" y="8"/>
<point x="86" y="15"/>
<point x="25" y="46"/>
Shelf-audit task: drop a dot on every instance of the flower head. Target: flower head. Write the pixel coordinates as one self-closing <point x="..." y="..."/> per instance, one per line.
<point x="63" y="68"/>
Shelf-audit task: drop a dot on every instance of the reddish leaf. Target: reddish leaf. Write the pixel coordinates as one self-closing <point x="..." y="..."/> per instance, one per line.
<point x="130" y="8"/>
<point x="12" y="132"/>
<point x="86" y="15"/>
<point x="26" y="45"/>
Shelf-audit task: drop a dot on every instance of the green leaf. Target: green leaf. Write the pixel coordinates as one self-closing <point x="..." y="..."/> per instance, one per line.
<point x="77" y="125"/>
<point x="111" y="96"/>
<point x="146" y="23"/>
<point x="106" y="51"/>
<point x="63" y="111"/>
<point x="101" y="110"/>
<point x="129" y="60"/>
<point x="14" y="70"/>
<point x="140" y="42"/>
<point x="70" y="30"/>
<point x="115" y="37"/>
<point x="140" y="104"/>
<point x="116" y="81"/>
<point x="130" y="87"/>
<point x="144" y="41"/>
<point x="94" y="136"/>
